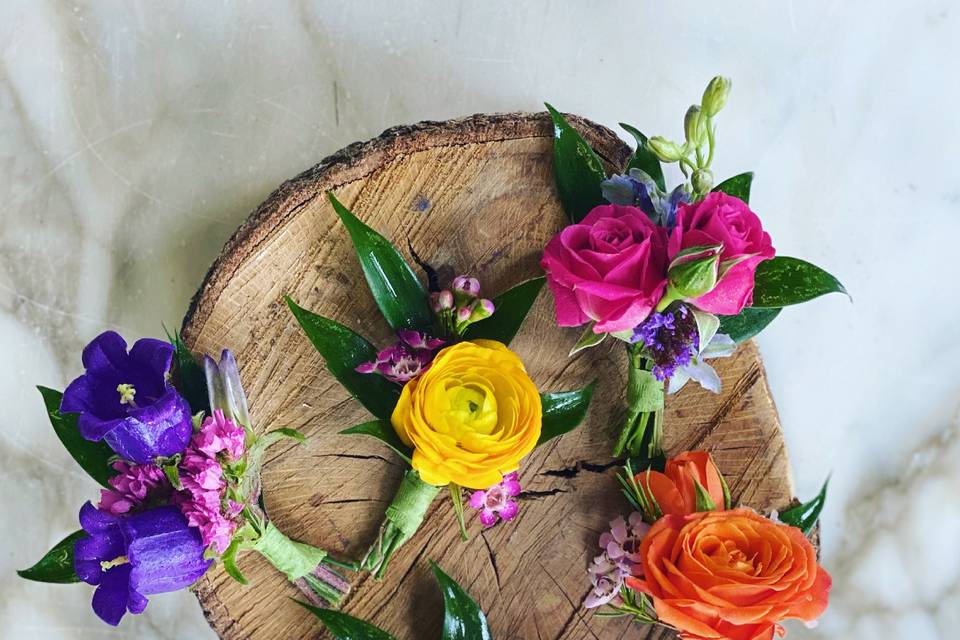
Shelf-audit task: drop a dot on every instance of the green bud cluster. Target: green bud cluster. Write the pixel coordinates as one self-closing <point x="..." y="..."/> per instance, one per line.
<point x="695" y="155"/>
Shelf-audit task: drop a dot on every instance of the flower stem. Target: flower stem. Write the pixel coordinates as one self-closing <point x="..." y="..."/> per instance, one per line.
<point x="644" y="406"/>
<point x="403" y="517"/>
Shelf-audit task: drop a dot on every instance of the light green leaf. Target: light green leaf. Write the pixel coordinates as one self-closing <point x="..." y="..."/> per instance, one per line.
<point x="643" y="158"/>
<point x="343" y="350"/>
<point x="345" y="627"/>
<point x="230" y="562"/>
<point x="456" y="497"/>
<point x="93" y="457"/>
<point x="783" y="281"/>
<point x="747" y="323"/>
<point x="57" y="565"/>
<point x="707" y="326"/>
<point x="462" y="617"/>
<point x="576" y="168"/>
<point x="804" y="516"/>
<point x="563" y="411"/>
<point x="383" y="431"/>
<point x="395" y="288"/>
<point x="588" y="339"/>
<point x="704" y="501"/>
<point x="738" y="186"/>
<point x="511" y="308"/>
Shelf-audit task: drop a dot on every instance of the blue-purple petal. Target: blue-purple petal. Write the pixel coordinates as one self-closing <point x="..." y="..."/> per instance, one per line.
<point x="105" y="352"/>
<point x="112" y="596"/>
<point x="153" y="356"/>
<point x="160" y="429"/>
<point x="165" y="552"/>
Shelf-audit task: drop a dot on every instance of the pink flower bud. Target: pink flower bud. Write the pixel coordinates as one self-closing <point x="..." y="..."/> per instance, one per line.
<point x="464" y="313"/>
<point x="467" y="285"/>
<point x="441" y="301"/>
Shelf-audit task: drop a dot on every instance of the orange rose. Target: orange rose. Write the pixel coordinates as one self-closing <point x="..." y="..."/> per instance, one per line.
<point x="730" y="574"/>
<point x="675" y="489"/>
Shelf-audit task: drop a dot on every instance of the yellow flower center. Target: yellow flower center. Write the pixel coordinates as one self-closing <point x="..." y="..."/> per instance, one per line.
<point x="127" y="392"/>
<point x="473" y="409"/>
<point x="106" y="565"/>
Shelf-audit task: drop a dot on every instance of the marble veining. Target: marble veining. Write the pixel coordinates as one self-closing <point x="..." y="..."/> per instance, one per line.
<point x="135" y="137"/>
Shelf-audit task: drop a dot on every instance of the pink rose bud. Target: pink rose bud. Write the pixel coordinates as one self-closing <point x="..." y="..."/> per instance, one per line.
<point x="467" y="285"/>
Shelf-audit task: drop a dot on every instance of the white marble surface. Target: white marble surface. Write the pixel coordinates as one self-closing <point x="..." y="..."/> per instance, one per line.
<point x="136" y="136"/>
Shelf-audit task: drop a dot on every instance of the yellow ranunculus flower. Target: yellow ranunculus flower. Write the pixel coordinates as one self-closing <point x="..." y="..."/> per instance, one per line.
<point x="471" y="417"/>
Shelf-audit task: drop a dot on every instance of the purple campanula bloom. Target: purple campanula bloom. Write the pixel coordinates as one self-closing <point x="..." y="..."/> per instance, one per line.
<point x="131" y="557"/>
<point x="127" y="400"/>
<point x="224" y="389"/>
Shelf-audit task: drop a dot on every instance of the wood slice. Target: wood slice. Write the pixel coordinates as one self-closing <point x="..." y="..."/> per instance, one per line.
<point x="475" y="196"/>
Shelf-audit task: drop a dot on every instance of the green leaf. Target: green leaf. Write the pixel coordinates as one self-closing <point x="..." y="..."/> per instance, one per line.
<point x="230" y="562"/>
<point x="456" y="497"/>
<point x="383" y="431"/>
<point x="783" y="281"/>
<point x="93" y="457"/>
<point x="588" y="339"/>
<point x="395" y="288"/>
<point x="188" y="375"/>
<point x="804" y="516"/>
<point x="563" y="411"/>
<point x="643" y="158"/>
<point x="57" y="565"/>
<point x="704" y="501"/>
<point x="747" y="323"/>
<point x="738" y="186"/>
<point x="345" y="627"/>
<point x="462" y="617"/>
<point x="343" y="350"/>
<point x="576" y="168"/>
<point x="511" y="308"/>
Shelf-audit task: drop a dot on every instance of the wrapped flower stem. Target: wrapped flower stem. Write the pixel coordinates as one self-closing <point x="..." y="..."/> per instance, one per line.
<point x="403" y="517"/>
<point x="644" y="411"/>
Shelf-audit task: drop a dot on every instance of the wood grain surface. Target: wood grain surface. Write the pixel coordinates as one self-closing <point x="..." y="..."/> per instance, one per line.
<point x="476" y="196"/>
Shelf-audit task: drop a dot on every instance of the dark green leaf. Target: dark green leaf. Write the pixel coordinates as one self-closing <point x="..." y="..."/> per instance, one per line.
<point x="563" y="411"/>
<point x="804" y="516"/>
<point x="784" y="281"/>
<point x="93" y="457"/>
<point x="643" y="158"/>
<point x="383" y="431"/>
<point x="738" y="186"/>
<point x="188" y="376"/>
<point x="343" y="350"/>
<point x="576" y="168"/>
<point x="57" y="565"/>
<point x="344" y="627"/>
<point x="511" y="307"/>
<point x="395" y="288"/>
<point x="462" y="617"/>
<point x="747" y="323"/>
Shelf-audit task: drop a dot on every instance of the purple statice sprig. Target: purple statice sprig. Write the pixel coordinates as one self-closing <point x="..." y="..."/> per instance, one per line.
<point x="408" y="357"/>
<point x="496" y="503"/>
<point x="670" y="338"/>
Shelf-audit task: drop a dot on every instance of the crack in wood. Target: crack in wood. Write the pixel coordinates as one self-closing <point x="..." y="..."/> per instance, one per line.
<point x="582" y="465"/>
<point x="493" y="559"/>
<point x="535" y="495"/>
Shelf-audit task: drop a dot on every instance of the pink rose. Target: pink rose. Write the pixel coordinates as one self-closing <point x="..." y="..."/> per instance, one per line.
<point x="610" y="268"/>
<point x="723" y="219"/>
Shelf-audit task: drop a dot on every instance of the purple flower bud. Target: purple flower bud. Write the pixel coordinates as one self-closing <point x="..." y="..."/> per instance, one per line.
<point x="464" y="313"/>
<point x="129" y="558"/>
<point x="441" y="301"/>
<point x="467" y="285"/>
<point x="126" y="400"/>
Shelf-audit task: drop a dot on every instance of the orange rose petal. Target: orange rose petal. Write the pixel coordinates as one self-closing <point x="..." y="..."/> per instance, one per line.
<point x="665" y="492"/>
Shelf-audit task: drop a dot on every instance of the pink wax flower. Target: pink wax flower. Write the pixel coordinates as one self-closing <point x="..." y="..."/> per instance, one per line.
<point x="495" y="503"/>
<point x="405" y="360"/>
<point x="610" y="268"/>
<point x="620" y="558"/>
<point x="133" y="486"/>
<point x="725" y="220"/>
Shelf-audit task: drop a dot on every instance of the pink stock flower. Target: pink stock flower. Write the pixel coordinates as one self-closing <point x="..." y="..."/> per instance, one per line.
<point x="133" y="486"/>
<point x="217" y="434"/>
<point x="723" y="219"/>
<point x="610" y="268"/>
<point x="495" y="503"/>
<point x="405" y="360"/>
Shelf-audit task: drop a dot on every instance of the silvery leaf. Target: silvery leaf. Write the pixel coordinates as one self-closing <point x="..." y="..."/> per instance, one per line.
<point x="721" y="346"/>
<point x="707" y="326"/>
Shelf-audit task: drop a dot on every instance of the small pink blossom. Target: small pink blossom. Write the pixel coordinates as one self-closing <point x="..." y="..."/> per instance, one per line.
<point x="218" y="433"/>
<point x="405" y="360"/>
<point x="133" y="486"/>
<point x="495" y="503"/>
<point x="607" y="578"/>
<point x="620" y="558"/>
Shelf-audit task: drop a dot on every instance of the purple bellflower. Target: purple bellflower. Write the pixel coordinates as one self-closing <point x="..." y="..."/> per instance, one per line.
<point x="126" y="399"/>
<point x="131" y="557"/>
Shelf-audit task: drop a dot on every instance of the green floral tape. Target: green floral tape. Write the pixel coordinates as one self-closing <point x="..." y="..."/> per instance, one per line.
<point x="410" y="504"/>
<point x="293" y="559"/>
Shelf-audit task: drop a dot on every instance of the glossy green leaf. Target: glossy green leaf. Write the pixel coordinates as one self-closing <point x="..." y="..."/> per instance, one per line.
<point x="804" y="516"/>
<point x="564" y="411"/>
<point x="57" y="565"/>
<point x="738" y="186"/>
<point x="576" y="168"/>
<point x="783" y="281"/>
<point x="188" y="376"/>
<point x="93" y="457"/>
<point x="643" y="158"/>
<point x="747" y="323"/>
<point x="345" y="627"/>
<point x="395" y="288"/>
<point x="462" y="617"/>
<point x="511" y="308"/>
<point x="343" y="350"/>
<point x="383" y="431"/>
